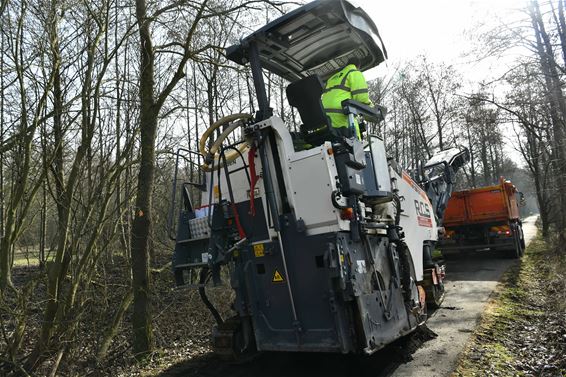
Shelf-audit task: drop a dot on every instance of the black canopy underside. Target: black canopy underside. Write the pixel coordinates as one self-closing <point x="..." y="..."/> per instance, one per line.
<point x="317" y="38"/>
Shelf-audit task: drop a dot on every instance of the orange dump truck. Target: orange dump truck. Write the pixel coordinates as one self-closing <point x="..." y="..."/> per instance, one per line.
<point x="484" y="218"/>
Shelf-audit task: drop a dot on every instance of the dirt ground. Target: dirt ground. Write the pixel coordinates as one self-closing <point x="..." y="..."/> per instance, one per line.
<point x="182" y="326"/>
<point x="423" y="354"/>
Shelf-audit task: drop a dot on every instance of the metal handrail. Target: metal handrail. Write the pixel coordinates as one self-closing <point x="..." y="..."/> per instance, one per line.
<point x="174" y="186"/>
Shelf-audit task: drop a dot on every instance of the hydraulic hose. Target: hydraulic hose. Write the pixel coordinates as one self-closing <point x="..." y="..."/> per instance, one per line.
<point x="334" y="199"/>
<point x="204" y="276"/>
<point x="212" y="159"/>
<point x="398" y="211"/>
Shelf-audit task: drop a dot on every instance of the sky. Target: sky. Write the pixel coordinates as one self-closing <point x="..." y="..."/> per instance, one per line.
<point x="444" y="31"/>
<point x="441" y="29"/>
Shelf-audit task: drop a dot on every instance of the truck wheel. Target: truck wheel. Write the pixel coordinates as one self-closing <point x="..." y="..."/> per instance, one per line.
<point x="522" y="241"/>
<point x="516" y="251"/>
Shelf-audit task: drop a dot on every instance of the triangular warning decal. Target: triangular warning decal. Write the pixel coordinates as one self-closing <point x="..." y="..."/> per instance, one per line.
<point x="277" y="277"/>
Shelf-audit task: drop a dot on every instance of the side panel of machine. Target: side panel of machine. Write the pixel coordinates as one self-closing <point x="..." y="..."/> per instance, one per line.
<point x="312" y="180"/>
<point x="238" y="180"/>
<point x="417" y="218"/>
<point x="373" y="271"/>
<point x="321" y="324"/>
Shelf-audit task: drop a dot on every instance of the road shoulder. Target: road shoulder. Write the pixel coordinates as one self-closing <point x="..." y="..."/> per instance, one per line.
<point x="523" y="330"/>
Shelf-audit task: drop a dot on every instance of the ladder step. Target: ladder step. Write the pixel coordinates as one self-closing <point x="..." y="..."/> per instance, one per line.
<point x="189" y="240"/>
<point x="190" y="265"/>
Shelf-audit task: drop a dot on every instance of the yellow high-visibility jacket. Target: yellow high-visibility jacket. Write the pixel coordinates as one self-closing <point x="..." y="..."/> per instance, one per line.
<point x="348" y="83"/>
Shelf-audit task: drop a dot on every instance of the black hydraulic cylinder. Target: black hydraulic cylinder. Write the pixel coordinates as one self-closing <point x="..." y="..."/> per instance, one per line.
<point x="264" y="111"/>
<point x="268" y="182"/>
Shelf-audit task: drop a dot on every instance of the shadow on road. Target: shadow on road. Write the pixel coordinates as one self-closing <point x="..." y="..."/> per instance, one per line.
<point x="477" y="265"/>
<point x="278" y="364"/>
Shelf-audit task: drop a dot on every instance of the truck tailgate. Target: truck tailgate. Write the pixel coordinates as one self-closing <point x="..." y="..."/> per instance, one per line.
<point x="455" y="213"/>
<point x="487" y="205"/>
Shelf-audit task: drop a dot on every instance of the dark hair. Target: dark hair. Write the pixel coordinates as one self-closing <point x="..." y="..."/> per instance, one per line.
<point x="354" y="60"/>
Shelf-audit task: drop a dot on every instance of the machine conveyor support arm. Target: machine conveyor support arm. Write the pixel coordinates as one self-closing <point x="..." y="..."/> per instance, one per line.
<point x="437" y="177"/>
<point x="372" y="114"/>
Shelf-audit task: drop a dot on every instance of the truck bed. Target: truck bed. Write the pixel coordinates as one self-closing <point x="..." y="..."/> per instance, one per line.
<point x="482" y="205"/>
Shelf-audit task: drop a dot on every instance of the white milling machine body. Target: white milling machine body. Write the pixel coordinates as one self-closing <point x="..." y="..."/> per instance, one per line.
<point x="328" y="248"/>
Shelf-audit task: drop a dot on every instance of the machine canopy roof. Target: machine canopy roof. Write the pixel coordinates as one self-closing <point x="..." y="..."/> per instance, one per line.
<point x="317" y="38"/>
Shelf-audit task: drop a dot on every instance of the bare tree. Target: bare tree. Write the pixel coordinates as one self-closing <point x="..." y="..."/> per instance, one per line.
<point x="557" y="106"/>
<point x="30" y="118"/>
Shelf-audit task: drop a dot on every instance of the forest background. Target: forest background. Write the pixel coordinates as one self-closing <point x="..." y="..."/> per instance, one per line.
<point x="97" y="96"/>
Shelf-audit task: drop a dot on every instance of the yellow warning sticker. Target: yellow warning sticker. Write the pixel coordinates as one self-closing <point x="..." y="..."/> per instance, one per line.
<point x="277" y="277"/>
<point x="259" y="250"/>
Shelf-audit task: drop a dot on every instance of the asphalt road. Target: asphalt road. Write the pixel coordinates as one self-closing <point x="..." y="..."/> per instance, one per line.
<point x="471" y="278"/>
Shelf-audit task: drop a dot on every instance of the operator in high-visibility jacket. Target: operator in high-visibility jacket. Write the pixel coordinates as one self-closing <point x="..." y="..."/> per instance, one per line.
<point x="348" y="83"/>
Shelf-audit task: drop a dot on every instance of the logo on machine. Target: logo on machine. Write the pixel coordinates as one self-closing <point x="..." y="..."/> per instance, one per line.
<point x="423" y="213"/>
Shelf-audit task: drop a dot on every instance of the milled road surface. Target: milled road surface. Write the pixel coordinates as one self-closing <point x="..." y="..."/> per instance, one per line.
<point x="471" y="278"/>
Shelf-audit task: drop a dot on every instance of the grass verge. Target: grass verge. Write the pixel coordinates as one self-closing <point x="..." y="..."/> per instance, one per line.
<point x="523" y="330"/>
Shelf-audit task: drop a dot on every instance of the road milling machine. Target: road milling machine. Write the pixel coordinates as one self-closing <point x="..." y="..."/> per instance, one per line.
<point x="327" y="248"/>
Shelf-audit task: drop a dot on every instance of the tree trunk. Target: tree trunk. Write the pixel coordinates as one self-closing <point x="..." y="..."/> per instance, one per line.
<point x="472" y="154"/>
<point x="1" y="133"/>
<point x="557" y="104"/>
<point x="141" y="227"/>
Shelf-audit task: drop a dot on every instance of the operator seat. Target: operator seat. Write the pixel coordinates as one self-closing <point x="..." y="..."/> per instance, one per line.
<point x="305" y="95"/>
